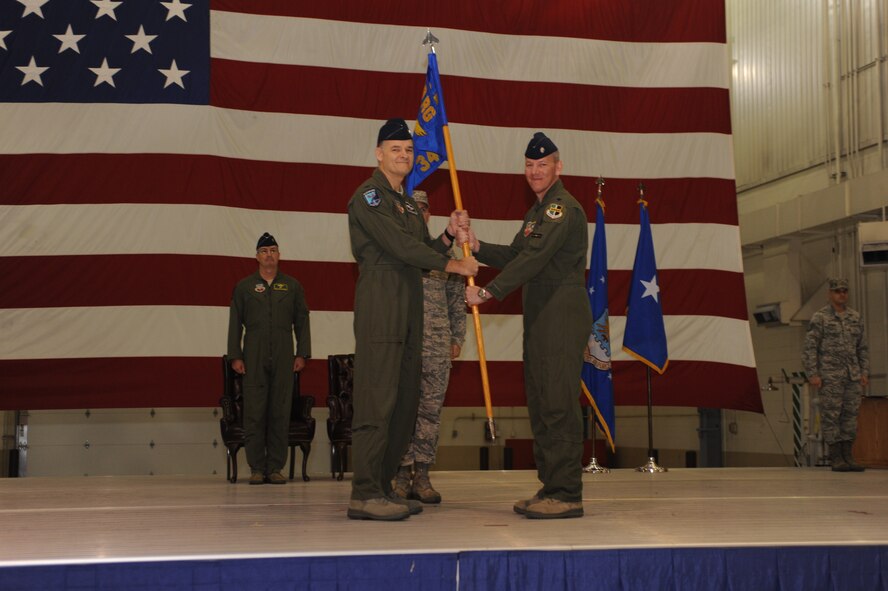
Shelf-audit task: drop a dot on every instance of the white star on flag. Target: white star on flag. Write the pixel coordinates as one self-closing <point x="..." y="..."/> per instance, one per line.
<point x="104" y="73"/>
<point x="173" y="75"/>
<point x="69" y="40"/>
<point x="3" y="35"/>
<point x="176" y="8"/>
<point x="106" y="8"/>
<point x="650" y="288"/>
<point x="32" y="72"/>
<point x="141" y="40"/>
<point x="33" y="7"/>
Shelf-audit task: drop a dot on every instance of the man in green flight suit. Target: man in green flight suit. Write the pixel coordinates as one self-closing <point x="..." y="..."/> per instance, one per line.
<point x="271" y="306"/>
<point x="548" y="258"/>
<point x="392" y="246"/>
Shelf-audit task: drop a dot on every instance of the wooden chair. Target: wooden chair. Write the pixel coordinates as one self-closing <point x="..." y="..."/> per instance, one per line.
<point x="302" y="428"/>
<point x="302" y="424"/>
<point x="340" y="375"/>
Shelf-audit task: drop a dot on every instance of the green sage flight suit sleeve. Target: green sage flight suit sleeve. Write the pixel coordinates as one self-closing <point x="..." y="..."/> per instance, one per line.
<point x="380" y="230"/>
<point x="532" y="253"/>
<point x="236" y="325"/>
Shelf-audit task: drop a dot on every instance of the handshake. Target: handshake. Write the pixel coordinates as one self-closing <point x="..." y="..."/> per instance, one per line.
<point x="459" y="230"/>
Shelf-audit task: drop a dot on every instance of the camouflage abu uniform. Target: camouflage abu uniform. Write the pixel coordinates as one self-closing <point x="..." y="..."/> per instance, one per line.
<point x="837" y="352"/>
<point x="444" y="324"/>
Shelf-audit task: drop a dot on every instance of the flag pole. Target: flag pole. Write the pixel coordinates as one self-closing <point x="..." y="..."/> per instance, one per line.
<point x="593" y="467"/>
<point x="430" y="40"/>
<point x="651" y="465"/>
<point x="592" y="375"/>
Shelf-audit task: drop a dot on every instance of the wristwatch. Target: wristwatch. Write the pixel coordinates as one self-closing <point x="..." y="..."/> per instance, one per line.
<point x="484" y="294"/>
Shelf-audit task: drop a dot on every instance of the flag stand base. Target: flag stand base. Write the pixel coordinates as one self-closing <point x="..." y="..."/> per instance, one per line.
<point x="595" y="468"/>
<point x="651" y="467"/>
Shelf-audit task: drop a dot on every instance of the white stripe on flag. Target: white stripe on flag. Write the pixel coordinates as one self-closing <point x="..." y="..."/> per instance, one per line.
<point x="145" y="129"/>
<point x="393" y="48"/>
<point x="201" y="331"/>
<point x="310" y="236"/>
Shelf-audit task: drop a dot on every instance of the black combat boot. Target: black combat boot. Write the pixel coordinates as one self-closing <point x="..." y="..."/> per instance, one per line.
<point x="837" y="458"/>
<point x="422" y="488"/>
<point x="402" y="482"/>
<point x="849" y="458"/>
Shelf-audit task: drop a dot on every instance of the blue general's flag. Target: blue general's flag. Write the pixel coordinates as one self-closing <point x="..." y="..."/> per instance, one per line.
<point x="597" y="376"/>
<point x="645" y="337"/>
<point x="429" y="148"/>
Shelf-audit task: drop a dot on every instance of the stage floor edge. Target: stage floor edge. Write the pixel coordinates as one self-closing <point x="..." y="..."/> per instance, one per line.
<point x="739" y="528"/>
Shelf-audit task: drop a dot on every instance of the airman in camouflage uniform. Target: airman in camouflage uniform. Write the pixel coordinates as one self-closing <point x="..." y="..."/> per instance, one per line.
<point x="836" y="360"/>
<point x="444" y="331"/>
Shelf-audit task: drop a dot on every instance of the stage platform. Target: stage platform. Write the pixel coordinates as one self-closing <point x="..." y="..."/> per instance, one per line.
<point x="752" y="528"/>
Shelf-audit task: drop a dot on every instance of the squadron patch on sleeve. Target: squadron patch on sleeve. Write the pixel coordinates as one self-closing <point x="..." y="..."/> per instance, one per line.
<point x="372" y="197"/>
<point x="555" y="211"/>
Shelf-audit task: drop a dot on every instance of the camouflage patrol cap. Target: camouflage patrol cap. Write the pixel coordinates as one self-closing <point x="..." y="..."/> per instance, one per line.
<point x="421" y="197"/>
<point x="836" y="284"/>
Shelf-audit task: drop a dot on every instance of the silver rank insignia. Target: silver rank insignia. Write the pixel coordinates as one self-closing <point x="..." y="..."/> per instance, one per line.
<point x="372" y="197"/>
<point x="555" y="211"/>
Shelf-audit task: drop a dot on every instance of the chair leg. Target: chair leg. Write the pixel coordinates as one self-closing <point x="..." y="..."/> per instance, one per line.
<point x="340" y="452"/>
<point x="232" y="455"/>
<point x="292" y="459"/>
<point x="306" y="449"/>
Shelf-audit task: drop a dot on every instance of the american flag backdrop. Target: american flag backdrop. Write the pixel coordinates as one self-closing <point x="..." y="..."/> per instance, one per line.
<point x="145" y="145"/>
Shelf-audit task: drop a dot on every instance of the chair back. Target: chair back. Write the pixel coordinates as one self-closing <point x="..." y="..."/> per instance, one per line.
<point x="340" y="378"/>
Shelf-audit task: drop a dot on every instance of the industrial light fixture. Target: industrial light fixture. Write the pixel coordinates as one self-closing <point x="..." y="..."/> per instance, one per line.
<point x="770" y="387"/>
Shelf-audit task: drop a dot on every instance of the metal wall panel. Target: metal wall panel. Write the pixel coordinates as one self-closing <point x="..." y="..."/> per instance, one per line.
<point x="778" y="100"/>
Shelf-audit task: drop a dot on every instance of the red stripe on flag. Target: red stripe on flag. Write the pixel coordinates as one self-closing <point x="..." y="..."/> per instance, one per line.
<point x="281" y="186"/>
<point x="145" y="280"/>
<point x="501" y="103"/>
<point x="681" y="386"/>
<point x="128" y="382"/>
<point x="684" y="21"/>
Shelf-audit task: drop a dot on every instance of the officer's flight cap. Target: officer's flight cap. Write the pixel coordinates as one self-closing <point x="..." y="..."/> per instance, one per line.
<point x="394" y="129"/>
<point x="266" y="240"/>
<point x="540" y="146"/>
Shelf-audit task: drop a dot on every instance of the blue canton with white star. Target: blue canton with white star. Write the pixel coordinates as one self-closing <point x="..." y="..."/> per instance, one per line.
<point x="105" y="51"/>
